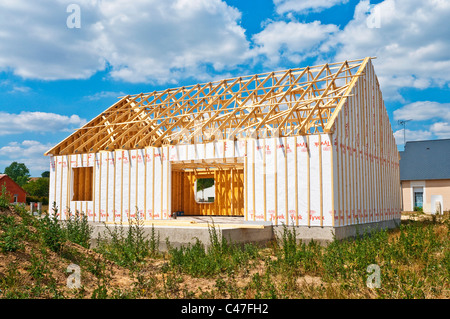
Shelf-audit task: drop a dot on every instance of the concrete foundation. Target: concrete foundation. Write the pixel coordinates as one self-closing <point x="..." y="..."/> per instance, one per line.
<point x="185" y="231"/>
<point x="325" y="235"/>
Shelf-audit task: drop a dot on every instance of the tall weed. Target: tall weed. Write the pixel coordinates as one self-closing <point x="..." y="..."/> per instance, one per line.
<point x="220" y="256"/>
<point x="78" y="230"/>
<point x="127" y="248"/>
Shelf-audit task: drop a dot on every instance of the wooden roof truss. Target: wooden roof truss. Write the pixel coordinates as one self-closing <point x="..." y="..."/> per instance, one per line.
<point x="298" y="101"/>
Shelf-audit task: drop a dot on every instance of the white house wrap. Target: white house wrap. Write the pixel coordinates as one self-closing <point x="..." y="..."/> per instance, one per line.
<point x="290" y="151"/>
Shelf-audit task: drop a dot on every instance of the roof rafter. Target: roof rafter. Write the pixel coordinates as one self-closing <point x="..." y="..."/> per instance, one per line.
<point x="298" y="101"/>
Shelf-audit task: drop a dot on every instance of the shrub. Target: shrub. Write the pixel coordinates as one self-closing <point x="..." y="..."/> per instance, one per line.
<point x="78" y="230"/>
<point x="127" y="249"/>
<point x="52" y="234"/>
<point x="220" y="256"/>
<point x="11" y="235"/>
<point x="5" y="198"/>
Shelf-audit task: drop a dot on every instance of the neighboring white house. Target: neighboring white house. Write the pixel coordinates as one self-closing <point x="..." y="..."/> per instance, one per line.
<point x="425" y="175"/>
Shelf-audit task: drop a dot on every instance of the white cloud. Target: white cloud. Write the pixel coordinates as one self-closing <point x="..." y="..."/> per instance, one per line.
<point x="411" y="135"/>
<point x="283" y="6"/>
<point x="143" y="40"/>
<point x="41" y="122"/>
<point x="168" y="40"/>
<point x="36" y="43"/>
<point x="441" y="129"/>
<point x="12" y="88"/>
<point x="423" y="110"/>
<point x="292" y="40"/>
<point x="29" y="152"/>
<point x="409" y="39"/>
<point x="104" y="94"/>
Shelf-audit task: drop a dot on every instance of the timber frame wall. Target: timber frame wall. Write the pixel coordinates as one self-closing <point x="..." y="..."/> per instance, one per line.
<point x="326" y="159"/>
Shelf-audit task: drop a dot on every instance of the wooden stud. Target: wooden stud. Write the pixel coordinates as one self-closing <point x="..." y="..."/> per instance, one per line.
<point x="275" y="152"/>
<point x="68" y="177"/>
<point x="246" y="182"/>
<point x="286" y="190"/>
<point x="253" y="179"/>
<point x="296" y="181"/>
<point x="320" y="180"/>
<point x="264" y="180"/>
<point x="94" y="174"/>
<point x="107" y="188"/>
<point x="114" y="184"/>
<point x="153" y="183"/>
<point x="168" y="181"/>
<point x="308" y="147"/>
<point x="333" y="208"/>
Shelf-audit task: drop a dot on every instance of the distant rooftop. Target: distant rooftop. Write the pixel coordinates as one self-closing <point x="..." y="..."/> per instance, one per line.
<point x="422" y="160"/>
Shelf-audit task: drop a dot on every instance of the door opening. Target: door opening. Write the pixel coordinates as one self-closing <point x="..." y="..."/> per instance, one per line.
<point x="203" y="191"/>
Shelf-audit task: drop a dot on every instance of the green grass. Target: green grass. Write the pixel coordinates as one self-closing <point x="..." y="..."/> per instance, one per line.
<point x="218" y="257"/>
<point x="128" y="246"/>
<point x="414" y="262"/>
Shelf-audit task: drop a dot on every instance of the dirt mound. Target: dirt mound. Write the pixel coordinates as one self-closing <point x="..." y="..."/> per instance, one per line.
<point x="29" y="269"/>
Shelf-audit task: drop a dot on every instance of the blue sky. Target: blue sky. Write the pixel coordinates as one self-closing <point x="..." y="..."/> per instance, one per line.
<point x="54" y="78"/>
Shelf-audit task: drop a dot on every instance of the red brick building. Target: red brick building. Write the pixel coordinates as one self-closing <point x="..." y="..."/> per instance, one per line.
<point x="18" y="194"/>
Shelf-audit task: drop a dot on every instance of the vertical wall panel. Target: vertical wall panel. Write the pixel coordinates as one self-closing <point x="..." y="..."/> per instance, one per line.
<point x="336" y="179"/>
<point x="63" y="186"/>
<point x="132" y="191"/>
<point x="52" y="184"/>
<point x="118" y="186"/>
<point x="352" y="163"/>
<point x="199" y="151"/>
<point x="149" y="182"/>
<point x="229" y="148"/>
<point x="141" y="176"/>
<point x="302" y="179"/>
<point x="74" y="162"/>
<point x="209" y="150"/>
<point x="103" y="187"/>
<point x="239" y="148"/>
<point x="250" y="179"/>
<point x="125" y="203"/>
<point x="111" y="171"/>
<point x="89" y="183"/>
<point x="291" y="182"/>
<point x="281" y="191"/>
<point x="96" y="200"/>
<point x="259" y="180"/>
<point x="314" y="192"/>
<point x="192" y="152"/>
<point x="269" y="150"/>
<point x="157" y="194"/>
<point x="327" y="198"/>
<point x="165" y="177"/>
<point x="58" y="173"/>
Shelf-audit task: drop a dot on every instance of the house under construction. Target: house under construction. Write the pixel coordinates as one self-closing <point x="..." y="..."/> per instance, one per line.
<point x="309" y="146"/>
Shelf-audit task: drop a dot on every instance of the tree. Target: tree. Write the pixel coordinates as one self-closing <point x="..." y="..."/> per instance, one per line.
<point x="45" y="174"/>
<point x="18" y="173"/>
<point x="38" y="187"/>
<point x="37" y="190"/>
<point x="203" y="183"/>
